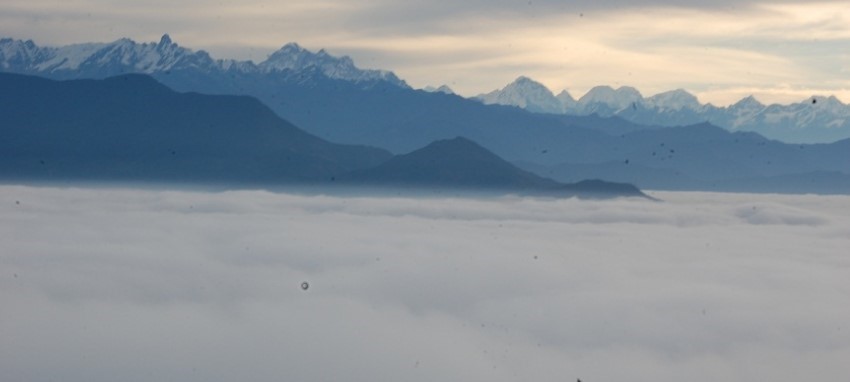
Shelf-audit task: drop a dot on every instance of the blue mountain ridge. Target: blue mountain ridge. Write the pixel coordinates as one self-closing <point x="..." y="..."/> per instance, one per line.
<point x="382" y="112"/>
<point x="132" y="128"/>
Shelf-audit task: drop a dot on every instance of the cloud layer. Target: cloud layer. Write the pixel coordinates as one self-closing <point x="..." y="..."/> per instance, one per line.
<point x="780" y="51"/>
<point x="131" y="285"/>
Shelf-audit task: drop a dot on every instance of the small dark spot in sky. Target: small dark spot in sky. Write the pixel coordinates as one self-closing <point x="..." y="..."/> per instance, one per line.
<point x="173" y="152"/>
<point x="41" y="162"/>
<point x="814" y="101"/>
<point x="333" y="179"/>
<point x="653" y="153"/>
<point x="627" y="161"/>
<point x="18" y="202"/>
<point x="16" y="275"/>
<point x="672" y="151"/>
<point x="662" y="144"/>
<point x="581" y="15"/>
<point x="305" y="285"/>
<point x="544" y="151"/>
<point x="634" y="106"/>
<point x="535" y="257"/>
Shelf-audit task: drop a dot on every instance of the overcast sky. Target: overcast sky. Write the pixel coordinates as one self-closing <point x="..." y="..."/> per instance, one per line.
<point x="780" y="51"/>
<point x="131" y="285"/>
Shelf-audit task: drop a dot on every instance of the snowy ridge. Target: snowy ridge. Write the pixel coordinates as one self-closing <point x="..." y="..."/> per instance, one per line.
<point x="817" y="119"/>
<point x="128" y="56"/>
<point x="123" y="55"/>
<point x="293" y="57"/>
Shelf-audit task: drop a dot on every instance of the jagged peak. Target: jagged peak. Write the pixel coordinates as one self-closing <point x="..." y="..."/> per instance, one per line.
<point x="293" y="55"/>
<point x="165" y="40"/>
<point x="565" y="95"/>
<point x="748" y="101"/>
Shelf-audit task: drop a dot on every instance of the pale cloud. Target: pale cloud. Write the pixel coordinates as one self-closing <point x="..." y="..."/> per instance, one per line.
<point x="102" y="284"/>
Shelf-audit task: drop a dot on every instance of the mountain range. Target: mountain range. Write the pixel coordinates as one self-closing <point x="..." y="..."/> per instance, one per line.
<point x="375" y="108"/>
<point x="132" y="128"/>
<point x="101" y="60"/>
<point x="817" y="119"/>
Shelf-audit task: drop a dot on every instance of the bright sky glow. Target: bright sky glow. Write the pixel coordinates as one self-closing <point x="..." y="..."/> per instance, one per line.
<point x="780" y="51"/>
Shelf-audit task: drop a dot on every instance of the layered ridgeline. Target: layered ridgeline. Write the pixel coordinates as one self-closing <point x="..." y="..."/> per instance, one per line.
<point x="132" y="128"/>
<point x="817" y="119"/>
<point x="331" y="98"/>
<point x="325" y="95"/>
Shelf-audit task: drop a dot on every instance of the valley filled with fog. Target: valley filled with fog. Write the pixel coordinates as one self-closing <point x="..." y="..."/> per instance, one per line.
<point x="102" y="284"/>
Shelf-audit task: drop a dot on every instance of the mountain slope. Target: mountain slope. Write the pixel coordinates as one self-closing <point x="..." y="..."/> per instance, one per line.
<point x="133" y="128"/>
<point x="462" y="164"/>
<point x="457" y="161"/>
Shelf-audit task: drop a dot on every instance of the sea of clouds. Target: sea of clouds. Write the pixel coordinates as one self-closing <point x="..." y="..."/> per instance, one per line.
<point x="108" y="284"/>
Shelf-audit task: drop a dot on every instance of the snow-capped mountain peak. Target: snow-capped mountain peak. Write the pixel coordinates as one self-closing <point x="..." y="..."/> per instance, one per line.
<point x="674" y="100"/>
<point x="606" y="100"/>
<point x="525" y="93"/>
<point x="294" y="57"/>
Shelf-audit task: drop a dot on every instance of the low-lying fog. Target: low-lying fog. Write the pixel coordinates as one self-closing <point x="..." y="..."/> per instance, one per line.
<point x="132" y="285"/>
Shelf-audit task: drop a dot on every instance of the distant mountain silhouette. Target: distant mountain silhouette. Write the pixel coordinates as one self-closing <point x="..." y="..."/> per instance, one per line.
<point x="133" y="128"/>
<point x="334" y="100"/>
<point x="462" y="163"/>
